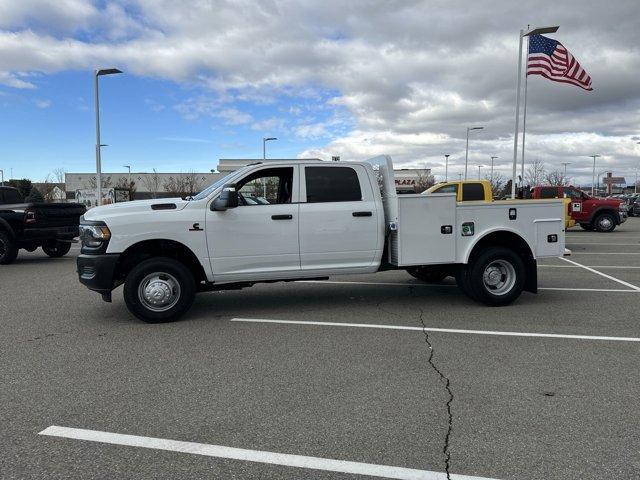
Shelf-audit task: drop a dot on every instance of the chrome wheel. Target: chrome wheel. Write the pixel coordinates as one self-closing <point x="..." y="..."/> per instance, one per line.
<point x="605" y="222"/>
<point x="499" y="277"/>
<point x="159" y="291"/>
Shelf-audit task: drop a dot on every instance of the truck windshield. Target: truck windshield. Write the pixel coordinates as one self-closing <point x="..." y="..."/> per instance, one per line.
<point x="220" y="182"/>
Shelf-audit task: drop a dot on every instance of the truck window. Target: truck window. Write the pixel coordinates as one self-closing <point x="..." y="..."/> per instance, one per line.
<point x="271" y="186"/>
<point x="447" y="189"/>
<point x="332" y="184"/>
<point x="572" y="192"/>
<point x="472" y="191"/>
<point x="548" y="192"/>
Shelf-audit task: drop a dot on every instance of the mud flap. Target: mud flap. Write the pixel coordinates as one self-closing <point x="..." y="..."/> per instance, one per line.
<point x="531" y="279"/>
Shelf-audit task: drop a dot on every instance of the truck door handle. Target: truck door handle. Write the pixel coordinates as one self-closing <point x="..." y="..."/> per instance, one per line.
<point x="362" y="214"/>
<point x="281" y="217"/>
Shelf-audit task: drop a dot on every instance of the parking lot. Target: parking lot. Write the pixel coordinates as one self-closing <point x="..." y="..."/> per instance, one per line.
<point x="330" y="379"/>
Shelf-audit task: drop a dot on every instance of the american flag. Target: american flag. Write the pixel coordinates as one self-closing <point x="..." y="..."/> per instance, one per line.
<point x="549" y="58"/>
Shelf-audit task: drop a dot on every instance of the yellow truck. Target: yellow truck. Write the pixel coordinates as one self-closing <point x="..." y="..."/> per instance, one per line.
<point x="480" y="190"/>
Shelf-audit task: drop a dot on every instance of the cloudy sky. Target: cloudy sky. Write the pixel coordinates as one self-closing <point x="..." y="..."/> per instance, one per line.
<point x="206" y="79"/>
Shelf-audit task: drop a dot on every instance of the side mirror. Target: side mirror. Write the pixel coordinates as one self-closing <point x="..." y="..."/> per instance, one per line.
<point x="228" y="198"/>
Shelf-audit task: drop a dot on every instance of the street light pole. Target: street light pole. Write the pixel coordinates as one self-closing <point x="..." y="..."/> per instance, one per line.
<point x="635" y="185"/>
<point x="1" y="178"/>
<point x="264" y="157"/>
<point x="466" y="154"/>
<point x="492" y="159"/>
<point x="479" y="168"/>
<point x="128" y="167"/>
<point x="593" y="176"/>
<point x="565" y="169"/>
<point x="446" y="167"/>
<point x="98" y="73"/>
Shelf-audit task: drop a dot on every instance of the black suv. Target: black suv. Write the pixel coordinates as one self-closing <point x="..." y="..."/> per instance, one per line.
<point x="51" y="226"/>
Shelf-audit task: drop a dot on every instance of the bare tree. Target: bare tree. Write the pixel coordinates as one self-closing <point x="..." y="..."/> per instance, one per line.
<point x="152" y="183"/>
<point x="556" y="178"/>
<point x="184" y="184"/>
<point x="535" y="173"/>
<point x="192" y="184"/>
<point x="424" y="181"/>
<point x="59" y="175"/>
<point x="47" y="188"/>
<point x="497" y="182"/>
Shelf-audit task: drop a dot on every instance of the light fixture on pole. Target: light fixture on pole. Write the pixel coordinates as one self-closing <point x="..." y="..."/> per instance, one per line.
<point x="479" y="168"/>
<point x="264" y="146"/>
<point x="459" y="176"/>
<point x="99" y="72"/>
<point x="128" y="167"/>
<point x="523" y="33"/>
<point x="446" y="166"/>
<point x="492" y="159"/>
<point x="466" y="155"/>
<point x="565" y="169"/>
<point x="593" y="176"/>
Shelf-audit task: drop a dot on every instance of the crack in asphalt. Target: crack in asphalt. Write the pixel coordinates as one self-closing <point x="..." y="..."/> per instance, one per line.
<point x="447" y="385"/>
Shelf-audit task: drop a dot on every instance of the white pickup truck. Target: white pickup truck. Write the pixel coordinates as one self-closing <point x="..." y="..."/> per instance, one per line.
<point x="302" y="219"/>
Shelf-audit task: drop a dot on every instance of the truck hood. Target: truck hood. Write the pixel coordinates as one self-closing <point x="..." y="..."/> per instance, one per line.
<point x="157" y="205"/>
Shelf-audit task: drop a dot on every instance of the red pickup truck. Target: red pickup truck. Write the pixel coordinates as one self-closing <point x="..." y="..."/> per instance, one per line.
<point x="600" y="214"/>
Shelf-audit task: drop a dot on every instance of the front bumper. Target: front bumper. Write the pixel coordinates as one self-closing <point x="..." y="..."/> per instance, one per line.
<point x="97" y="272"/>
<point x="622" y="216"/>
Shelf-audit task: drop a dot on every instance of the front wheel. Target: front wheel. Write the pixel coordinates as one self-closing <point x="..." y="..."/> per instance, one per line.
<point x="56" y="249"/>
<point x="159" y="290"/>
<point x="605" y="223"/>
<point x="496" y="276"/>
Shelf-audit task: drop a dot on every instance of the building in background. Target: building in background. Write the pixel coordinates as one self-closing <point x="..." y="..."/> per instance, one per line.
<point x="145" y="185"/>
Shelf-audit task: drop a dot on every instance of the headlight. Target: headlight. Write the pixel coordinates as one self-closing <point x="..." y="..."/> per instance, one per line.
<point x="94" y="236"/>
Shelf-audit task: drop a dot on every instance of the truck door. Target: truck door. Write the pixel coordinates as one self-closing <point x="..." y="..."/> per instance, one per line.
<point x="575" y="207"/>
<point x="260" y="235"/>
<point x="339" y="220"/>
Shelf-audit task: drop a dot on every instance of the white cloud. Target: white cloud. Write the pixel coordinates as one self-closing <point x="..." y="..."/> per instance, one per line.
<point x="411" y="76"/>
<point x="43" y="103"/>
<point x="232" y="116"/>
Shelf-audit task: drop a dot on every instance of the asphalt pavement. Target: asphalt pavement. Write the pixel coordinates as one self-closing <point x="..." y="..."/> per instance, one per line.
<point x="334" y="377"/>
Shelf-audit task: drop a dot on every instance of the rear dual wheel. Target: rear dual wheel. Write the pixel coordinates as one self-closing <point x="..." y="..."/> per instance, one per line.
<point x="495" y="277"/>
<point x="56" y="249"/>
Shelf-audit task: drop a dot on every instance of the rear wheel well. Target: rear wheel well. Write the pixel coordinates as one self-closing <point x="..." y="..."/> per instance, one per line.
<point x="514" y="242"/>
<point x="135" y="254"/>
<point x="608" y="211"/>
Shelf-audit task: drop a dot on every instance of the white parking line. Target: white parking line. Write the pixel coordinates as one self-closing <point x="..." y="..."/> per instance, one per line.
<point x="432" y="285"/>
<point x="620" y="267"/>
<point x="284" y="459"/>
<point x="610" y="244"/>
<point x="621" y="282"/>
<point x="441" y="330"/>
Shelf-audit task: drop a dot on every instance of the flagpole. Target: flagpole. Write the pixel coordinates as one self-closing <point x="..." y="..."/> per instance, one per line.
<point x="515" y="136"/>
<point x="524" y="114"/>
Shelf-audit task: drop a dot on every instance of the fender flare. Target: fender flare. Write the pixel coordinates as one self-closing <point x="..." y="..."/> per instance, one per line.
<point x="496" y="230"/>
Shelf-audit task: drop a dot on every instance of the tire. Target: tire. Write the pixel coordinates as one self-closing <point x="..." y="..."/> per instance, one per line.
<point x="8" y="249"/>
<point x="586" y="226"/>
<point x="496" y="276"/>
<point x="428" y="274"/>
<point x="57" y="249"/>
<point x="605" y="222"/>
<point x="464" y="282"/>
<point x="170" y="290"/>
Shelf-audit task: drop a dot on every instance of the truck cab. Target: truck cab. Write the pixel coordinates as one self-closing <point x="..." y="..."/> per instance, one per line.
<point x="309" y="219"/>
<point x="465" y="190"/>
<point x="592" y="213"/>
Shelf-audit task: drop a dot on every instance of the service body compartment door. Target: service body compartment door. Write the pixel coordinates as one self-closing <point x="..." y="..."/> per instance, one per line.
<point x="549" y="237"/>
<point x="427" y="231"/>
